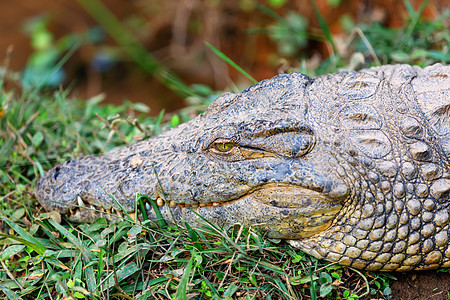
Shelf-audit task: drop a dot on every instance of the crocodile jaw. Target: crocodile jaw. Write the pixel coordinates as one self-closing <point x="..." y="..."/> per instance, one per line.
<point x="280" y="211"/>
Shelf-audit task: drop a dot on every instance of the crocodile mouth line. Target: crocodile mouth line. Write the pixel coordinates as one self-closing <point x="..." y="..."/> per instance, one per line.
<point x="83" y="207"/>
<point x="281" y="196"/>
<point x="275" y="194"/>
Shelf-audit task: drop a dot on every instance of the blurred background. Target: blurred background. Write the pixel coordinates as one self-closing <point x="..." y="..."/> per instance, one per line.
<point x="125" y="49"/>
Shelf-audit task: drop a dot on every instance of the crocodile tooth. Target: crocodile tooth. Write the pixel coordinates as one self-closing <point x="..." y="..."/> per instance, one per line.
<point x="108" y="211"/>
<point x="92" y="207"/>
<point x="133" y="216"/>
<point x="72" y="211"/>
<point x="119" y="213"/>
<point x="216" y="204"/>
<point x="172" y="203"/>
<point x="195" y="205"/>
<point x="147" y="206"/>
<point x="160" y="202"/>
<point x="113" y="210"/>
<point x="202" y="204"/>
<point x="80" y="201"/>
<point x="77" y="213"/>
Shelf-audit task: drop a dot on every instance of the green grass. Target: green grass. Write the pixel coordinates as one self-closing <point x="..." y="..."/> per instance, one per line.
<point x="48" y="258"/>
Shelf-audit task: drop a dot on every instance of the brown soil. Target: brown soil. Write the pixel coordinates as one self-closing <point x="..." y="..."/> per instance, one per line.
<point x="429" y="285"/>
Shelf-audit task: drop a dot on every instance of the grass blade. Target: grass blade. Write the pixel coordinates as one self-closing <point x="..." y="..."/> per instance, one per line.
<point x="140" y="201"/>
<point x="27" y="239"/>
<point x="126" y="271"/>
<point x="414" y="19"/>
<point x="90" y="279"/>
<point x="211" y="287"/>
<point x="182" y="286"/>
<point x="9" y="293"/>
<point x="273" y="15"/>
<point x="133" y="47"/>
<point x="73" y="239"/>
<point x="161" y="222"/>
<point x="230" y="62"/>
<point x="323" y="25"/>
<point x="87" y="255"/>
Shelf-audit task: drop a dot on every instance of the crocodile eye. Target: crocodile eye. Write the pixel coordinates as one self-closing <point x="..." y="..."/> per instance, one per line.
<point x="223" y="147"/>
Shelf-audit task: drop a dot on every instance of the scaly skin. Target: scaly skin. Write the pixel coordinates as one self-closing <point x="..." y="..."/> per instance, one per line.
<point x="352" y="167"/>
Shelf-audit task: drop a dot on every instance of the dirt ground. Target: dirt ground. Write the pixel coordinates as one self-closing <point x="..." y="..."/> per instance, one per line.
<point x="429" y="285"/>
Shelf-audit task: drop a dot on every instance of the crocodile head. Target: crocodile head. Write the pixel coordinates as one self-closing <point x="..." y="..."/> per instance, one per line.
<point x="254" y="158"/>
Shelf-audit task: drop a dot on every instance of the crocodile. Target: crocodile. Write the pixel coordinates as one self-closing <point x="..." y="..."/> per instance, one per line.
<point x="351" y="167"/>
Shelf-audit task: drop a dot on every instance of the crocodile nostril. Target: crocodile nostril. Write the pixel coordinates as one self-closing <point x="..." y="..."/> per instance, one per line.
<point x="56" y="173"/>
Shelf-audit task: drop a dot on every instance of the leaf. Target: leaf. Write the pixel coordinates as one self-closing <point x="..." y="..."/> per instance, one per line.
<point x="325" y="289"/>
<point x="152" y="282"/>
<point x="78" y="295"/>
<point x="297" y="258"/>
<point x="127" y="252"/>
<point x="122" y="274"/>
<point x="134" y="232"/>
<point x="27" y="239"/>
<point x="175" y="121"/>
<point x="252" y="279"/>
<point x="400" y="56"/>
<point x="182" y="286"/>
<point x="140" y="200"/>
<point x="194" y="236"/>
<point x="212" y="289"/>
<point x="325" y="277"/>
<point x="70" y="283"/>
<point x="141" y="107"/>
<point x="86" y="252"/>
<point x="230" y="290"/>
<point x="90" y="279"/>
<point x="334" y="3"/>
<point x="37" y="139"/>
<point x="336" y="275"/>
<point x="18" y="213"/>
<point x="9" y="293"/>
<point x="39" y="166"/>
<point x="303" y="280"/>
<point x="11" y="251"/>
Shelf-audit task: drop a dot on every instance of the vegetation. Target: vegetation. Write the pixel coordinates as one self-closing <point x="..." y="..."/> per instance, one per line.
<point x="46" y="257"/>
